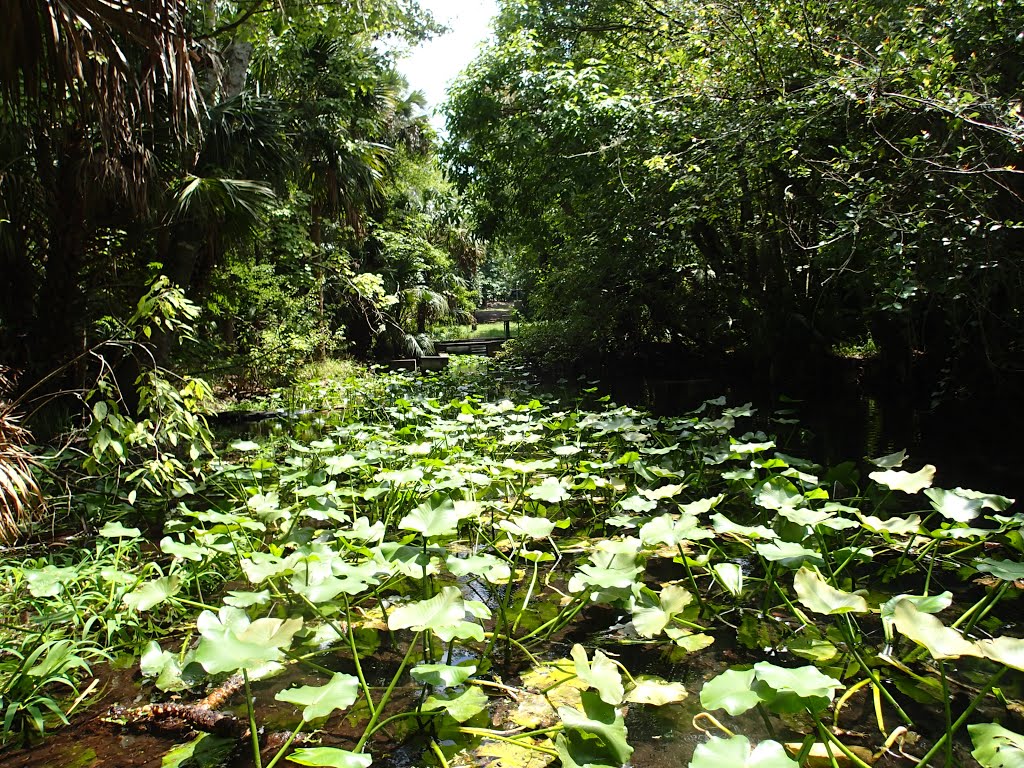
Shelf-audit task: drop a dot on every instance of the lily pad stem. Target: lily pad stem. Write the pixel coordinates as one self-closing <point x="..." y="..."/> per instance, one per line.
<point x="951" y="731"/>
<point x="831" y="738"/>
<point x="254" y="734"/>
<point x="516" y="742"/>
<point x="387" y="695"/>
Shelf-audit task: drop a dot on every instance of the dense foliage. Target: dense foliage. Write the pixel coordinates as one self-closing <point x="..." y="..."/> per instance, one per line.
<point x="465" y="571"/>
<point x="773" y="177"/>
<point x="266" y="158"/>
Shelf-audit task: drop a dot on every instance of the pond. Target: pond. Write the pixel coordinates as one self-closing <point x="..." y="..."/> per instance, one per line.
<point x="458" y="570"/>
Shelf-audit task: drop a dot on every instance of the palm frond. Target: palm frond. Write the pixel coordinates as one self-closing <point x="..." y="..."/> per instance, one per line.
<point x="110" y="60"/>
<point x="20" y="497"/>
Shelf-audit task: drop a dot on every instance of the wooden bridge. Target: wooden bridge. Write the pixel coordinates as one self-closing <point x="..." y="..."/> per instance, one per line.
<point x="486" y="347"/>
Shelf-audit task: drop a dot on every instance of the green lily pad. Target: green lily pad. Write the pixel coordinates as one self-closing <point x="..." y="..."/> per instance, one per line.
<point x="204" y="751"/>
<point x="549" y="491"/>
<point x="778" y="493"/>
<point x="784" y="689"/>
<point x="595" y="736"/>
<point x="953" y="506"/>
<point x="924" y="629"/>
<point x="891" y="461"/>
<point x="649" y="619"/>
<point x="488" y="567"/>
<point x="672" y="530"/>
<point x="789" y="553"/>
<point x="231" y="642"/>
<point x="321" y="700"/>
<point x="1004" y="650"/>
<point x="330" y="757"/>
<point x="153" y="593"/>
<point x="1004" y="570"/>
<point x="731" y="577"/>
<point x="908" y="482"/>
<point x="731" y="691"/>
<point x="735" y="752"/>
<point x="115" y="530"/>
<point x="821" y="597"/>
<point x="925" y="604"/>
<point x="528" y="527"/>
<point x="49" y="580"/>
<point x="601" y="675"/>
<point x="655" y="691"/>
<point x="435" y="519"/>
<point x="996" y="747"/>
<point x="460" y="707"/>
<point x="441" y="674"/>
<point x="443" y="610"/>
<point x="897" y="526"/>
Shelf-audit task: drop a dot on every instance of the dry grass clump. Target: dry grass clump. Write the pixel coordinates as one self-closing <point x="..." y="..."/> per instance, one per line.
<point x="20" y="497"/>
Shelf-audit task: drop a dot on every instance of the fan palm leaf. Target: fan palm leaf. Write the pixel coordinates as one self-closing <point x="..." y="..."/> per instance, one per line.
<point x="20" y="497"/>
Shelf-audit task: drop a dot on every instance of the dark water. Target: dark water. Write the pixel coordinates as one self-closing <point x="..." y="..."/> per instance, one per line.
<point x="975" y="443"/>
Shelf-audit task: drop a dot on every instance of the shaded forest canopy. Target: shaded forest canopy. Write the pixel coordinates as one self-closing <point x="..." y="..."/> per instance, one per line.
<point x="650" y="179"/>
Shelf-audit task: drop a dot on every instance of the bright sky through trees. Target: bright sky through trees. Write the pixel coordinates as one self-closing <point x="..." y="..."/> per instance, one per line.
<point x="433" y="65"/>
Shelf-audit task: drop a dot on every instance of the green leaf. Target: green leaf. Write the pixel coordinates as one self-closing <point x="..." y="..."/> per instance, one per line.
<point x="731" y="577"/>
<point x="1004" y="650"/>
<point x="485" y="566"/>
<point x="321" y="700"/>
<point x="778" y="493"/>
<point x="731" y="691"/>
<point x="444" y="609"/>
<point x="1004" y="570"/>
<point x="531" y="527"/>
<point x="735" y="752"/>
<point x="243" y="446"/>
<point x="785" y="689"/>
<point x="924" y="629"/>
<point x="655" y="691"/>
<point x="115" y="530"/>
<point x="49" y="580"/>
<point x="204" y="751"/>
<point x="231" y="642"/>
<point x="461" y="707"/>
<point x="953" y="506"/>
<point x="597" y="735"/>
<point x="153" y="593"/>
<point x="672" y="530"/>
<point x="650" y="619"/>
<point x="891" y="461"/>
<point x="908" y="482"/>
<point x="330" y="757"/>
<point x="925" y="604"/>
<point x="441" y="674"/>
<point x="820" y="597"/>
<point x="895" y="525"/>
<point x="430" y="519"/>
<point x="602" y="674"/>
<point x="788" y="553"/>
<point x="996" y="747"/>
<point x="549" y="491"/>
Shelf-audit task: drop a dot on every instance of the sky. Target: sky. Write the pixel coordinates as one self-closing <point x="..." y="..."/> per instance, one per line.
<point x="433" y="65"/>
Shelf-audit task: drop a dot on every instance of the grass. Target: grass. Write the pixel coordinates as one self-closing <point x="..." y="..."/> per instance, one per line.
<point x="494" y="330"/>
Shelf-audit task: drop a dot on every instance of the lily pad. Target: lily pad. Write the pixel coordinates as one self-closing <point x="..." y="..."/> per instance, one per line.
<point x="153" y="593"/>
<point x="321" y="700"/>
<point x="462" y="706"/>
<point x="908" y="482"/>
<point x="821" y="597"/>
<point x="735" y="752"/>
<point x="601" y="675"/>
<point x="924" y="629"/>
<point x="655" y="691"/>
<point x="731" y="691"/>
<point x="996" y="747"/>
<point x="441" y="674"/>
<point x="330" y="757"/>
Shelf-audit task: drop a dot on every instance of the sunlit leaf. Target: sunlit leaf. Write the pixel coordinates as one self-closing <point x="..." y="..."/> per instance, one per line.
<point x="908" y="482"/>
<point x="330" y="757"/>
<point x="996" y="747"/>
<point x="153" y="593"/>
<point x="735" y="752"/>
<point x="601" y="674"/>
<point x="462" y="706"/>
<point x="815" y="593"/>
<point x="731" y="691"/>
<point x="321" y="700"/>
<point x="655" y="691"/>
<point x="441" y="674"/>
<point x="924" y="629"/>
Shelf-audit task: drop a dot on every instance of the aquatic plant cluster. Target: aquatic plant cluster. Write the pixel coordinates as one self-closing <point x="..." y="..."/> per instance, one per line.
<point x="456" y="568"/>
